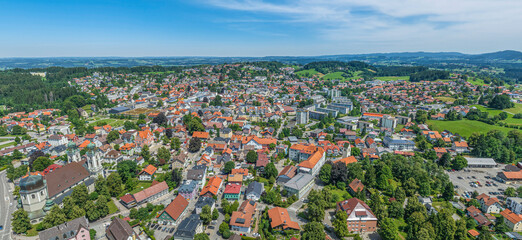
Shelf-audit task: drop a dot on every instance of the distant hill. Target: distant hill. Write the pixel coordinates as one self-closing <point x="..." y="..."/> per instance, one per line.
<point x="502" y="55"/>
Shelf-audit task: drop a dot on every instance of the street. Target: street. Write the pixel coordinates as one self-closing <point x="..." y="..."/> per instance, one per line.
<point x="6" y="207"/>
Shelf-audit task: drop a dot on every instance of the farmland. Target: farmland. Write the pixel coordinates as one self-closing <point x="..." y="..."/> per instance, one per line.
<point x="393" y="78"/>
<point x="465" y="127"/>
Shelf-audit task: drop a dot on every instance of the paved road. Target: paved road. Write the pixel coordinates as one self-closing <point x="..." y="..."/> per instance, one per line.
<point x="6" y="207"/>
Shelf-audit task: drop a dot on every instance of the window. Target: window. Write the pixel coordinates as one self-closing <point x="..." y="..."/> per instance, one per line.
<point x="33" y="196"/>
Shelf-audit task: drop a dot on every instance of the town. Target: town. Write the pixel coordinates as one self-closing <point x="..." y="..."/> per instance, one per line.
<point x="263" y="150"/>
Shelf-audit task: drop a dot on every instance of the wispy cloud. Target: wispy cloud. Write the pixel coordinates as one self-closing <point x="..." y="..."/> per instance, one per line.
<point x="433" y="22"/>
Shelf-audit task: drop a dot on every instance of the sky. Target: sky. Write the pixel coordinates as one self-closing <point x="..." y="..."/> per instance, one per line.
<point x="140" y="28"/>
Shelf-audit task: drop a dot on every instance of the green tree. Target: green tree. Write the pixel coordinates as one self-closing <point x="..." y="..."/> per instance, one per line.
<point x="20" y="221"/>
<point x="206" y="215"/>
<point x="114" y="183"/>
<point x="510" y="192"/>
<point x="194" y="145"/>
<point x="270" y="170"/>
<point x="201" y="236"/>
<point x="251" y="156"/>
<point x="101" y="206"/>
<point x="388" y="230"/>
<point x="80" y="194"/>
<point x="76" y="212"/>
<point x="41" y="163"/>
<point x="459" y="162"/>
<point x="92" y="233"/>
<point x="113" y="135"/>
<point x="54" y="217"/>
<point x="228" y="167"/>
<point x="175" y="144"/>
<point x="164" y="154"/>
<point x="127" y="169"/>
<point x="90" y="211"/>
<point x="145" y="153"/>
<point x="215" y="214"/>
<point x="325" y="173"/>
<point x="448" y="192"/>
<point x="461" y="231"/>
<point x="339" y="224"/>
<point x="501" y="102"/>
<point x="313" y="231"/>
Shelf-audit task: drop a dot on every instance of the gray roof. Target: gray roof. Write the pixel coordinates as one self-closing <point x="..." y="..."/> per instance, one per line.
<point x="187" y="227"/>
<point x="188" y="186"/>
<point x="254" y="187"/>
<point x="64" y="231"/>
<point x="202" y="201"/>
<point x="481" y="161"/>
<point x="299" y="181"/>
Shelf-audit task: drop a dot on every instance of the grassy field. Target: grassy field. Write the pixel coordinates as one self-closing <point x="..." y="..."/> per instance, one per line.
<point x="310" y="72"/>
<point x="141" y="186"/>
<point x="7" y="145"/>
<point x="401" y="225"/>
<point x="333" y="76"/>
<point x="515" y="110"/>
<point x="112" y="207"/>
<point x="465" y="127"/>
<point x="510" y="119"/>
<point x="476" y="82"/>
<point x="446" y="99"/>
<point x="393" y="78"/>
<point x="112" y="122"/>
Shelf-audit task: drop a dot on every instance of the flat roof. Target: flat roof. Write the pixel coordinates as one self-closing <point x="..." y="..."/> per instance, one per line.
<point x="480" y="161"/>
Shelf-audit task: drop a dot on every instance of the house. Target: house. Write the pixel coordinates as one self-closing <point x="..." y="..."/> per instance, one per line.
<point x="242" y="219"/>
<point x="198" y="173"/>
<point x="355" y="186"/>
<point x="147" y="174"/>
<point x="477" y="215"/>
<point x="120" y="229"/>
<point x="232" y="191"/>
<point x="189" y="227"/>
<point x="201" y="135"/>
<point x="235" y="178"/>
<point x="346" y="160"/>
<point x="514" y="204"/>
<point x="360" y="216"/>
<point x="399" y="144"/>
<point x="512" y="220"/>
<point x="179" y="161"/>
<point x="489" y="204"/>
<point x="204" y="201"/>
<point x="212" y="187"/>
<point x="57" y="140"/>
<point x="299" y="185"/>
<point x="153" y="192"/>
<point x="460" y="147"/>
<point x="280" y="219"/>
<point x="174" y="210"/>
<point x="254" y="191"/>
<point x="314" y="163"/>
<point x="188" y="189"/>
<point x="286" y="174"/>
<point x="258" y="143"/>
<point x="511" y="177"/>
<point x="113" y="157"/>
<point x="76" y="229"/>
<point x="262" y="161"/>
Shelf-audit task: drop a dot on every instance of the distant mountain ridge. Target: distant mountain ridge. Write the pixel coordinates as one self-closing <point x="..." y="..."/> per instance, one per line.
<point x="409" y="58"/>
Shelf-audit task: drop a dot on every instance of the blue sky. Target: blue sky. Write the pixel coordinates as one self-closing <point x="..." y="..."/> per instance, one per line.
<point x="31" y="28"/>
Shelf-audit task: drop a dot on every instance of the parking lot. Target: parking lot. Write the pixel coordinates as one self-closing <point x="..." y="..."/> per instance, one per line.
<point x="482" y="180"/>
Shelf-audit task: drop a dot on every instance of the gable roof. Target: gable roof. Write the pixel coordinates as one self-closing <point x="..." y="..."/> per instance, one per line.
<point x="176" y="207"/>
<point x="150" y="170"/>
<point x="279" y="218"/>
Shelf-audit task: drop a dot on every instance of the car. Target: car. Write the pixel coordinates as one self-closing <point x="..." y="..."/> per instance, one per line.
<point x="473" y="177"/>
<point x="1" y="227"/>
<point x="171" y="230"/>
<point x="459" y="177"/>
<point x="210" y="227"/>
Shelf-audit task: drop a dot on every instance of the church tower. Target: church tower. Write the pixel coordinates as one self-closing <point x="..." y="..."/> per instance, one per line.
<point x="73" y="153"/>
<point x="94" y="160"/>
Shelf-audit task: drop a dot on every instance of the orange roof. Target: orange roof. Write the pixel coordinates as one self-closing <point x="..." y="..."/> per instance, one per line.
<point x="212" y="186"/>
<point x="279" y="218"/>
<point x="176" y="207"/>
<point x="204" y="135"/>
<point x="313" y="160"/>
<point x="239" y="171"/>
<point x="473" y="232"/>
<point x="511" y="216"/>
<point x="347" y="160"/>
<point x="513" y="175"/>
<point x="84" y="144"/>
<point x="461" y="144"/>
<point x="149" y="170"/>
<point x="373" y="114"/>
<point x="235" y="178"/>
<point x="262" y="141"/>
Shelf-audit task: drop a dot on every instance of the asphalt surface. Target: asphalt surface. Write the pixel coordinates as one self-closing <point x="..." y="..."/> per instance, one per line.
<point x="463" y="178"/>
<point x="6" y="207"/>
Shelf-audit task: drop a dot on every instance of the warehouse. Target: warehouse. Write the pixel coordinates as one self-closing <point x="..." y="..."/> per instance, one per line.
<point x="481" y="162"/>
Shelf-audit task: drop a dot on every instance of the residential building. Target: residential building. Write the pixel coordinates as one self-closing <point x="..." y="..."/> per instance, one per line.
<point x="212" y="187"/>
<point x="204" y="201"/>
<point x="76" y="229"/>
<point x="280" y="220"/>
<point x="153" y="192"/>
<point x="299" y="185"/>
<point x="512" y="220"/>
<point x="232" y="191"/>
<point x="286" y="174"/>
<point x="242" y="219"/>
<point x="254" y="191"/>
<point x="489" y="204"/>
<point x="360" y="216"/>
<point x="188" y="189"/>
<point x="314" y="163"/>
<point x="147" y="174"/>
<point x="189" y="227"/>
<point x="174" y="210"/>
<point x="399" y="144"/>
<point x="302" y="116"/>
<point x="514" y="204"/>
<point x="120" y="229"/>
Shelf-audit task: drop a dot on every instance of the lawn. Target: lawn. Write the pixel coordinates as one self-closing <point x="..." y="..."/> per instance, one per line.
<point x="110" y="121"/>
<point x="112" y="207"/>
<point x="465" y="127"/>
<point x="446" y="99"/>
<point x="476" y="82"/>
<point x="7" y="145"/>
<point x="509" y="120"/>
<point x="393" y="78"/>
<point x="333" y="76"/>
<point x="140" y="186"/>
<point x="339" y="195"/>
<point x="401" y="225"/>
<point x="309" y="72"/>
<point x="515" y="110"/>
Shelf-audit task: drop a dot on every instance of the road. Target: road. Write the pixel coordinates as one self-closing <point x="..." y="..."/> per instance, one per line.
<point x="6" y="207"/>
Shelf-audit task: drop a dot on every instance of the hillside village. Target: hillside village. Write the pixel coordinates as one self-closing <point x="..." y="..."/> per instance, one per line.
<point x="266" y="151"/>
